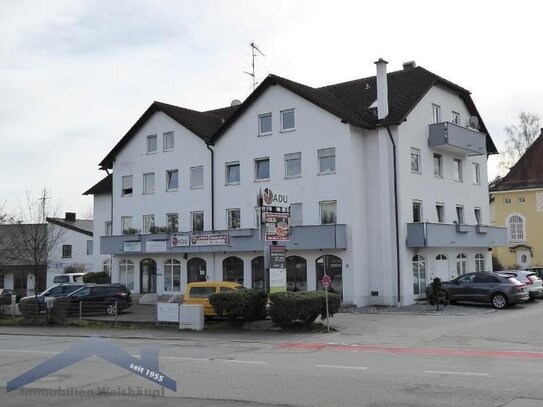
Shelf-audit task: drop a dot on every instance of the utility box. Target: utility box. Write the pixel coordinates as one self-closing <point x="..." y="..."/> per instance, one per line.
<point x="191" y="316"/>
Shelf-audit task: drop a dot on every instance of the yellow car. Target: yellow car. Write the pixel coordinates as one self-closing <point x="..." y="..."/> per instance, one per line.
<point x="198" y="293"/>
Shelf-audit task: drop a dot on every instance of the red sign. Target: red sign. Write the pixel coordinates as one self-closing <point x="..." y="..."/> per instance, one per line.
<point x="276" y="226"/>
<point x="326" y="281"/>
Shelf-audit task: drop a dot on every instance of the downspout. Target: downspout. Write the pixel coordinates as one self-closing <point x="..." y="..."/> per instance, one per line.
<point x="398" y="279"/>
<point x="212" y="186"/>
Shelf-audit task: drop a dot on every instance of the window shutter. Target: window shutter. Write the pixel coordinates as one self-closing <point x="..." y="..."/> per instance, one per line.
<point x="296" y="214"/>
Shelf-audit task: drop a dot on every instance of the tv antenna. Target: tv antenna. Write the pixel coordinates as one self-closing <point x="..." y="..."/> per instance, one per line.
<point x="254" y="51"/>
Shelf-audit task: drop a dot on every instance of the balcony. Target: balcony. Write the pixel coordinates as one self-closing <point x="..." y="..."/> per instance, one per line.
<point x="452" y="138"/>
<point x="311" y="237"/>
<point x="426" y="234"/>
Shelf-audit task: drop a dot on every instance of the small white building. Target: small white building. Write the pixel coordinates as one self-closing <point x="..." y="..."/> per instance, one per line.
<point x="386" y="178"/>
<point x="73" y="248"/>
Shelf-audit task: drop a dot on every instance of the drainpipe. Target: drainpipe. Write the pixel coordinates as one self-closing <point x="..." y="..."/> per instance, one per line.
<point x="398" y="279"/>
<point x="212" y="186"/>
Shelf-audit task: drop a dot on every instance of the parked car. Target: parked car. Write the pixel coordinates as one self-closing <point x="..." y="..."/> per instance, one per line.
<point x="92" y="298"/>
<point x="537" y="270"/>
<point x="198" y="293"/>
<point x="27" y="304"/>
<point x="68" y="278"/>
<point x="500" y="290"/>
<point x="6" y="293"/>
<point x="532" y="281"/>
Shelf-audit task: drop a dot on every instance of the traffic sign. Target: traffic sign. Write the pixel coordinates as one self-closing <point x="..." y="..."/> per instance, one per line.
<point x="326" y="281"/>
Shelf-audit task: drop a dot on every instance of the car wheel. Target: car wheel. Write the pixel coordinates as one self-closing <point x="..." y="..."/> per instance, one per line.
<point x="111" y="309"/>
<point x="499" y="300"/>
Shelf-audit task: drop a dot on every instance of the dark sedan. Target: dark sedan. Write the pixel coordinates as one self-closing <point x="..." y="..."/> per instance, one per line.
<point x="92" y="298"/>
<point x="497" y="289"/>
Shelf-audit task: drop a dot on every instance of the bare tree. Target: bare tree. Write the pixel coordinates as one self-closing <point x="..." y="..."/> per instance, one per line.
<point x="519" y="139"/>
<point x="88" y="212"/>
<point x="34" y="241"/>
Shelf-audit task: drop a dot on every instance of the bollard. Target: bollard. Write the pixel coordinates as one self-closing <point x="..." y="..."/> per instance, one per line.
<point x="13" y="305"/>
<point x="116" y="313"/>
<point x="80" y="310"/>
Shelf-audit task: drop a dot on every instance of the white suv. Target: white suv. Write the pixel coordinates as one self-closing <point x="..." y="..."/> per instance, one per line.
<point x="532" y="281"/>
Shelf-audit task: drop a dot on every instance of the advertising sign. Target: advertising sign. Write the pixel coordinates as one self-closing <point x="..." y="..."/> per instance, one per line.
<point x="274" y="198"/>
<point x="278" y="269"/>
<point x="155" y="246"/>
<point x="276" y="226"/>
<point x="131" y="247"/>
<point x="179" y="240"/>
<point x="209" y="240"/>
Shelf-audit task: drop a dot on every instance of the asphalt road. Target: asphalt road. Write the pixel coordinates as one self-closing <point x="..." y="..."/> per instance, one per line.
<point x="303" y="370"/>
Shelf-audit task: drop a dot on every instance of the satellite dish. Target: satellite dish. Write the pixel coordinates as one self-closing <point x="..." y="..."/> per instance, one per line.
<point x="235" y="102"/>
<point x="473" y="122"/>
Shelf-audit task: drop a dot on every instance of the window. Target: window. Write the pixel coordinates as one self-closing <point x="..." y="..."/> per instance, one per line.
<point x="172" y="275"/>
<point x="296" y="214"/>
<point x="232" y="269"/>
<point x="172" y="220"/>
<point x="477" y="212"/>
<point x="479" y="262"/>
<point x="172" y="180"/>
<point x="440" y="212"/>
<point x="328" y="211"/>
<point x="126" y="273"/>
<point x="415" y="161"/>
<point x="436" y="112"/>
<point x="168" y="141"/>
<point x="106" y="267"/>
<point x="126" y="224"/>
<point x="456" y="118"/>
<point x="66" y="251"/>
<point x="233" y="218"/>
<point x="293" y="165"/>
<point x="126" y="182"/>
<point x="515" y="225"/>
<point x="264" y="124"/>
<point x="197" y="220"/>
<point x="476" y="174"/>
<point x="460" y="214"/>
<point x="297" y="273"/>
<point x="196" y="270"/>
<point x="327" y="160"/>
<point x="287" y="120"/>
<point x="507" y="201"/>
<point x="151" y="144"/>
<point x="257" y="272"/>
<point x="148" y="223"/>
<point x="521" y="200"/>
<point x="419" y="274"/>
<point x="461" y="264"/>
<point x="262" y="169"/>
<point x="232" y="173"/>
<point x="149" y="183"/>
<point x="89" y="247"/>
<point x="438" y="165"/>
<point x="197" y="177"/>
<point x="417" y="211"/>
<point x="458" y="169"/>
<point x="108" y="229"/>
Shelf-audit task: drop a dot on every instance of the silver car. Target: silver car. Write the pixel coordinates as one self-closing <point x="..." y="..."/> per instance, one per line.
<point x="532" y="281"/>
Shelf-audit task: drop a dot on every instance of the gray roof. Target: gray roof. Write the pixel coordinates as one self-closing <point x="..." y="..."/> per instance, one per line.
<point x="79" y="225"/>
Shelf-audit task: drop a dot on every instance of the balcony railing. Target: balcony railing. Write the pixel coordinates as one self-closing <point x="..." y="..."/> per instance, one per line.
<point x="452" y="138"/>
<point x="425" y="234"/>
<point x="311" y="237"/>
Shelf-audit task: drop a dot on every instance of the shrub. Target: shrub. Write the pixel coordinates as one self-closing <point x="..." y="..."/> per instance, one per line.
<point x="248" y="305"/>
<point x="292" y="309"/>
<point x="98" y="278"/>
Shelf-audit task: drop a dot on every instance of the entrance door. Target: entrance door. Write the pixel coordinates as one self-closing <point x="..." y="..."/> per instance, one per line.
<point x="148" y="276"/>
<point x="442" y="267"/>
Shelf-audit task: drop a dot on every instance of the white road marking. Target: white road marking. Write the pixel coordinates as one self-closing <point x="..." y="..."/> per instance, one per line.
<point x="253" y="362"/>
<point x="179" y="358"/>
<point x="342" y="367"/>
<point x="456" y="373"/>
<point x="28" y="351"/>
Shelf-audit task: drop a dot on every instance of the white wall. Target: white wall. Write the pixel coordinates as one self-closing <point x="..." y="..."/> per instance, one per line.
<point x="102" y="214"/>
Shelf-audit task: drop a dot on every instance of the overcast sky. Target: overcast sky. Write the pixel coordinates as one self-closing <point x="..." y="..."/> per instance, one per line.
<point x="75" y="75"/>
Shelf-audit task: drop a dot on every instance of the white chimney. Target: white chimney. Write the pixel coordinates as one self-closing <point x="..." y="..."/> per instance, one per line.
<point x="382" y="89"/>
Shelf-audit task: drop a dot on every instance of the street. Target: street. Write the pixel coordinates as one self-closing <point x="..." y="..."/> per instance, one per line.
<point x="441" y="366"/>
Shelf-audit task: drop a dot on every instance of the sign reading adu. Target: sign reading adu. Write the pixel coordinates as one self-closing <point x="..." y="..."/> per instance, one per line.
<point x="146" y="366"/>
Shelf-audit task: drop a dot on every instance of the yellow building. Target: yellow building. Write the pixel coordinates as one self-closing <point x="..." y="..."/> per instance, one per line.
<point x="518" y="205"/>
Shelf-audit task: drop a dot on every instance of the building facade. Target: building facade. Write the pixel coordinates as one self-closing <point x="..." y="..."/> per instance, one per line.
<point x="387" y="188"/>
<point x="517" y="204"/>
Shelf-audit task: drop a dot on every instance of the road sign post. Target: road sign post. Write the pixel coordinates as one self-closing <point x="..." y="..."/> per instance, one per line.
<point x="326" y="280"/>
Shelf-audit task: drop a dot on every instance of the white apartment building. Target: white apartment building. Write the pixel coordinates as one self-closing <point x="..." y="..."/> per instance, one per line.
<point x="386" y="178"/>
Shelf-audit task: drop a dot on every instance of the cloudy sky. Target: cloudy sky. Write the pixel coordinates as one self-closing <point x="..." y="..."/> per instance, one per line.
<point x="75" y="75"/>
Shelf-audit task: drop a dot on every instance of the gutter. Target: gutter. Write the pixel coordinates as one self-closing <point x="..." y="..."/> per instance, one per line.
<point x="212" y="186"/>
<point x="398" y="274"/>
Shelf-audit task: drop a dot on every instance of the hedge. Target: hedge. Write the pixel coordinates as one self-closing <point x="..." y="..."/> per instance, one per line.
<point x="248" y="305"/>
<point x="99" y="278"/>
<point x="295" y="309"/>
